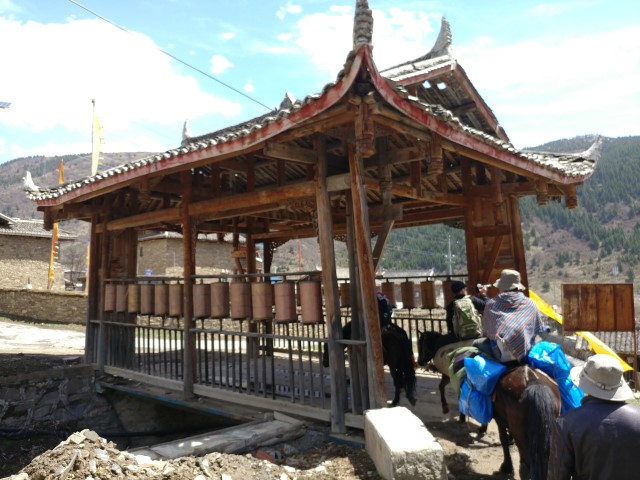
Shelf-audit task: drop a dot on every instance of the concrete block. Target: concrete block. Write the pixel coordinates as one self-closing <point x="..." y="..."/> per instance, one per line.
<point x="401" y="447"/>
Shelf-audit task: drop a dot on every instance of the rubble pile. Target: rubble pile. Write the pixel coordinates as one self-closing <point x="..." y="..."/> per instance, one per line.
<point x="87" y="456"/>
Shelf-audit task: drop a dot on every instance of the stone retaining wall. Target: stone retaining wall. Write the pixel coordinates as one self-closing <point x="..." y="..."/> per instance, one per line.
<point x="61" y="399"/>
<point x="44" y="305"/>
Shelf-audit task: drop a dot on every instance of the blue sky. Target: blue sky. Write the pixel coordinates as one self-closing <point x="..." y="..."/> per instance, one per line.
<point x="548" y="70"/>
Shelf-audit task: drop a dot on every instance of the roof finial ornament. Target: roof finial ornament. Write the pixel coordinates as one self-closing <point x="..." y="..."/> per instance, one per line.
<point x="186" y="132"/>
<point x="288" y="101"/>
<point x="443" y="42"/>
<point x="28" y="184"/>
<point x="362" y="24"/>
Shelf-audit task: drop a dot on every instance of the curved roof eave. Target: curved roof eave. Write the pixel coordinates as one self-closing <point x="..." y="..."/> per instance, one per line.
<point x="444" y="123"/>
<point x="562" y="169"/>
<point x="223" y="142"/>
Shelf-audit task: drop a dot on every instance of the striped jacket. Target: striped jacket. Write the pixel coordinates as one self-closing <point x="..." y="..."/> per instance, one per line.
<point x="513" y="318"/>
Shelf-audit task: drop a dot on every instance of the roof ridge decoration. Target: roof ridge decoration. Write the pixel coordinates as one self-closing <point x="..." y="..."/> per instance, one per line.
<point x="442" y="47"/>
<point x="186" y="133"/>
<point x="362" y="24"/>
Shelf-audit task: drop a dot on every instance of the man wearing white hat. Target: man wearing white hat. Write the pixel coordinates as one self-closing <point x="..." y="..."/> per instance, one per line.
<point x="600" y="439"/>
<point x="511" y="320"/>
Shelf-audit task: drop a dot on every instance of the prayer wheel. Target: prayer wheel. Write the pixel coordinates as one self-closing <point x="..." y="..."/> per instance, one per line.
<point x="428" y="294"/>
<point x="161" y="299"/>
<point x="240" y="300"/>
<point x="311" y="301"/>
<point x="201" y="300"/>
<point x="146" y="299"/>
<point x="407" y="292"/>
<point x="175" y="300"/>
<point x="133" y="298"/>
<point x="446" y="292"/>
<point x="345" y="295"/>
<point x="220" y="300"/>
<point x="285" y="299"/>
<point x="389" y="290"/>
<point x="261" y="301"/>
<point x="121" y="298"/>
<point x="109" y="297"/>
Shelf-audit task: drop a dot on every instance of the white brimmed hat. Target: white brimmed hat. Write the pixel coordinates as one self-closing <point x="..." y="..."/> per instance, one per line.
<point x="509" y="280"/>
<point x="601" y="377"/>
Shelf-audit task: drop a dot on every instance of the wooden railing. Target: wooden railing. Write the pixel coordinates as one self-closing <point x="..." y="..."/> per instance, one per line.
<point x="260" y="360"/>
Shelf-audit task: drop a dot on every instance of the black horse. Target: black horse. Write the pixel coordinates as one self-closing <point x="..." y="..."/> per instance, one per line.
<point x="397" y="354"/>
<point x="526" y="402"/>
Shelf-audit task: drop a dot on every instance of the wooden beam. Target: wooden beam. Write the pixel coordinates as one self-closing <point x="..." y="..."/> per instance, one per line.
<point x="290" y="153"/>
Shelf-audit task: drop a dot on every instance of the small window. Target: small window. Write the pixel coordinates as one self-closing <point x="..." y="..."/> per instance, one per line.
<point x="141" y="253"/>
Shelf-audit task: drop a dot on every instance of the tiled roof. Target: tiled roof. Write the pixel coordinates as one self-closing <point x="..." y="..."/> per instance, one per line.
<point x="28" y="228"/>
<point x="567" y="165"/>
<point x="206" y="237"/>
<point x="620" y="342"/>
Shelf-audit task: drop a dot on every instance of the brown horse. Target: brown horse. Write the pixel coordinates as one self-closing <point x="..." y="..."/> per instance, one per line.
<point x="525" y="404"/>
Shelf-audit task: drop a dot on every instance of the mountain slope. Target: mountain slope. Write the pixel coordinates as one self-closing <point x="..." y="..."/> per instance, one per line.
<point x="597" y="242"/>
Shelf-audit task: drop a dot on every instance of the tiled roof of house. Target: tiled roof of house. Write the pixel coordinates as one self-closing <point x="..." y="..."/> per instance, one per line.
<point x="206" y="237"/>
<point x="620" y="342"/>
<point x="28" y="228"/>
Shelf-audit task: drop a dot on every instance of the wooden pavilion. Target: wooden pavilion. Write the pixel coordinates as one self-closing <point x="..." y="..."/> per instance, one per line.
<point x="375" y="150"/>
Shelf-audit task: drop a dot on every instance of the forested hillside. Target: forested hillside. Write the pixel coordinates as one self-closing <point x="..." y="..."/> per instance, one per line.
<point x="598" y="241"/>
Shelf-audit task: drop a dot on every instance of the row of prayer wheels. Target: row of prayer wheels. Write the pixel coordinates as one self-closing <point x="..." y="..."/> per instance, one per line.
<point x="235" y="300"/>
<point x="407" y="293"/>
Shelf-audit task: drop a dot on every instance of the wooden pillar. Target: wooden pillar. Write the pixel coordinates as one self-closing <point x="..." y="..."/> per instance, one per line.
<point x="93" y="292"/>
<point x="358" y="360"/>
<point x="375" y="361"/>
<point x="331" y="295"/>
<point x="188" y="252"/>
<point x="104" y="266"/>
<point x="519" y="260"/>
<point x="473" y="266"/>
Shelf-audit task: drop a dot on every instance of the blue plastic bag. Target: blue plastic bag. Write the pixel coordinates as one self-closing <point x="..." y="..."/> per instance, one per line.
<point x="475" y="404"/>
<point x="570" y="394"/>
<point x="483" y="373"/>
<point x="550" y="358"/>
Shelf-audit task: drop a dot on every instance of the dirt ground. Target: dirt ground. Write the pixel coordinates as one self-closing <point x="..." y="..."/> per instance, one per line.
<point x="85" y="454"/>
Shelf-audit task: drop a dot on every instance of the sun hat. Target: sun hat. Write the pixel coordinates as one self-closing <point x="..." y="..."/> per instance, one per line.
<point x="457" y="286"/>
<point x="509" y="280"/>
<point x="601" y="377"/>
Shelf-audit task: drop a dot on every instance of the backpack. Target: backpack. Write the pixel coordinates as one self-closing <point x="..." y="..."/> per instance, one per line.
<point x="467" y="321"/>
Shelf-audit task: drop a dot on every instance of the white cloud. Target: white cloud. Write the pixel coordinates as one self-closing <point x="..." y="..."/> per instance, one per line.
<point x="227" y="36"/>
<point x="561" y="81"/>
<point x="411" y="32"/>
<point x="289" y="8"/>
<point x="249" y="87"/>
<point x="55" y="76"/>
<point x="219" y="64"/>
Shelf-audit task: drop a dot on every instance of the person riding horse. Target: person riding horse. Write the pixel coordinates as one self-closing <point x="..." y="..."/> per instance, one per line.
<point x="510" y="322"/>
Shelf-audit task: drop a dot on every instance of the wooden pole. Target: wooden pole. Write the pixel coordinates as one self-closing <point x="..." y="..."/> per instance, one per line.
<point x="331" y="295"/>
<point x="93" y="292"/>
<point x="188" y="251"/>
<point x="375" y="361"/>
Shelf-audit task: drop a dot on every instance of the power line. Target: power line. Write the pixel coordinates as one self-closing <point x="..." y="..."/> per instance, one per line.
<point x="176" y="58"/>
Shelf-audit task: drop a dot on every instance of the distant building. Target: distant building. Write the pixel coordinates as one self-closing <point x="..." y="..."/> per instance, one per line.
<point x="25" y="252"/>
<point x="160" y="254"/>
